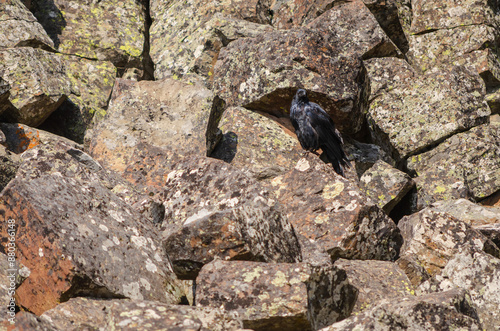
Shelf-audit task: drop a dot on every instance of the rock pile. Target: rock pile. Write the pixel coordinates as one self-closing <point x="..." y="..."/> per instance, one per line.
<point x="151" y="178"/>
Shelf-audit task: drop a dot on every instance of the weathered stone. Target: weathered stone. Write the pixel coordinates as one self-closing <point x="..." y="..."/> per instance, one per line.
<point x="482" y="218"/>
<point x="432" y="239"/>
<point x="20" y="27"/>
<point x="450" y="310"/>
<point x="110" y="30"/>
<point x="413" y="116"/>
<point x="413" y="270"/>
<point x="187" y="36"/>
<point x="264" y="73"/>
<point x="256" y="144"/>
<point x="295" y="13"/>
<point x="387" y="73"/>
<point x="364" y="155"/>
<point x="77" y="237"/>
<point x="374" y="281"/>
<point x="123" y="314"/>
<point x="25" y="321"/>
<point x="332" y="211"/>
<point x="276" y="296"/>
<point x="385" y="185"/>
<point x="464" y="165"/>
<point x="8" y="166"/>
<point x="181" y="115"/>
<point x="479" y="273"/>
<point x="214" y="210"/>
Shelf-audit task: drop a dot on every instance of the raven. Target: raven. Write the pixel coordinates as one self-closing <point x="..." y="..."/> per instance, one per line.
<point x="315" y="130"/>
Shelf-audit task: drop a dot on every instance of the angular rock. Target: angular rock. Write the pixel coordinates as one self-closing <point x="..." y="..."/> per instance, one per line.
<point x="432" y="239"/>
<point x="428" y="109"/>
<point x="386" y="73"/>
<point x="464" y="165"/>
<point x="374" y="281"/>
<point x="263" y="73"/>
<point x="8" y="166"/>
<point x="276" y="296"/>
<point x="385" y="185"/>
<point x="213" y="210"/>
<point x="413" y="270"/>
<point x="101" y="30"/>
<point x="38" y="84"/>
<point x="450" y="310"/>
<point x="20" y="27"/>
<point x="256" y="144"/>
<point x="479" y="274"/>
<point x="482" y="218"/>
<point x="124" y="314"/>
<point x="364" y="155"/>
<point x="187" y="36"/>
<point x="27" y="321"/>
<point x="77" y="237"/>
<point x="331" y="211"/>
<point x="288" y="14"/>
<point x="181" y="115"/>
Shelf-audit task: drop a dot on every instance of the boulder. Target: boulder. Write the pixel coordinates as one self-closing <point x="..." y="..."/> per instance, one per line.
<point x="256" y="144"/>
<point x="187" y="36"/>
<point x="413" y="270"/>
<point x="364" y="156"/>
<point x="289" y="14"/>
<point x="20" y="27"/>
<point x="417" y="114"/>
<point x="9" y="163"/>
<point x="466" y="165"/>
<point x="374" y="281"/>
<point x="332" y="211"/>
<point x="479" y="274"/>
<point x="24" y="321"/>
<point x="385" y="185"/>
<point x="77" y="237"/>
<point x="277" y="296"/>
<point x="432" y="239"/>
<point x="451" y="310"/>
<point x="125" y="314"/>
<point x="179" y="114"/>
<point x="100" y="30"/>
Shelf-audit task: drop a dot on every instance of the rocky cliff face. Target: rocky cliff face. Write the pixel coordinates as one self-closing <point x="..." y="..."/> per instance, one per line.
<point x="151" y="178"/>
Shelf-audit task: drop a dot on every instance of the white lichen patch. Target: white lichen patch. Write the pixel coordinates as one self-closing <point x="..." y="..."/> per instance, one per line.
<point x="132" y="291"/>
<point x="145" y="284"/>
<point x="279" y="279"/>
<point x="139" y="241"/>
<point x="116" y="216"/>
<point x="251" y="275"/>
<point x="106" y="244"/>
<point x="331" y="191"/>
<point x="303" y="165"/>
<point x="103" y="227"/>
<point x="150" y="266"/>
<point x="40" y="252"/>
<point x="197" y="216"/>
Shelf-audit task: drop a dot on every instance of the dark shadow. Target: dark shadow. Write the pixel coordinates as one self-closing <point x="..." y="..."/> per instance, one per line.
<point x="227" y="148"/>
<point x="50" y="17"/>
<point x="67" y="121"/>
<point x="407" y="206"/>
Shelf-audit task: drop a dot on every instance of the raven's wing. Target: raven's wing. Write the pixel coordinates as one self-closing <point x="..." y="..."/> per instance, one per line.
<point x="329" y="140"/>
<point x="306" y="134"/>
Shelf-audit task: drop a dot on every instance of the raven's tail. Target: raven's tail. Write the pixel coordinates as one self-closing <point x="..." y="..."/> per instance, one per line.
<point x="335" y="155"/>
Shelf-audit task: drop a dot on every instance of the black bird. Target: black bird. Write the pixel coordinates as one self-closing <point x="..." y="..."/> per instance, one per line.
<point x="315" y="130"/>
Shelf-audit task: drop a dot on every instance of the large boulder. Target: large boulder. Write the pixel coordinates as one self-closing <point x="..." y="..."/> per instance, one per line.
<point x="415" y="114"/>
<point x="466" y="165"/>
<point x="20" y="27"/>
<point x="101" y="30"/>
<point x="331" y="211"/>
<point x="278" y="296"/>
<point x="77" y="237"/>
<point x="179" y="114"/>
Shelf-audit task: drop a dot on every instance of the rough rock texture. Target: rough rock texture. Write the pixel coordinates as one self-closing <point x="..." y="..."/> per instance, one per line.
<point x="413" y="270"/>
<point x="111" y="30"/>
<point x="9" y="163"/>
<point x="451" y="310"/>
<point x="419" y="113"/>
<point x="365" y="155"/>
<point x="256" y="144"/>
<point x="374" y="281"/>
<point x="187" y="36"/>
<point x="465" y="165"/>
<point x="25" y="321"/>
<point x="385" y="185"/>
<point x="181" y="115"/>
<point x="387" y="73"/>
<point x="77" y="237"/>
<point x="295" y="13"/>
<point x="79" y="313"/>
<point x="479" y="273"/>
<point x="276" y="296"/>
<point x="330" y="210"/>
<point x="20" y="27"/>
<point x="432" y="239"/>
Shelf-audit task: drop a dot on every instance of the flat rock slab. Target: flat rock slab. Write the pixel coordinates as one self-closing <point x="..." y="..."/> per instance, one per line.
<point x="20" y="27"/>
<point x="421" y="112"/>
<point x="330" y="210"/>
<point x="77" y="237"/>
<point x="256" y="144"/>
<point x="375" y="281"/>
<point x="110" y="30"/>
<point x="187" y="36"/>
<point x="449" y="310"/>
<point x="433" y="239"/>
<point x="126" y="314"/>
<point x="276" y="296"/>
<point x="385" y="185"/>
<point x="479" y="274"/>
<point x="466" y="165"/>
<point x="180" y="115"/>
